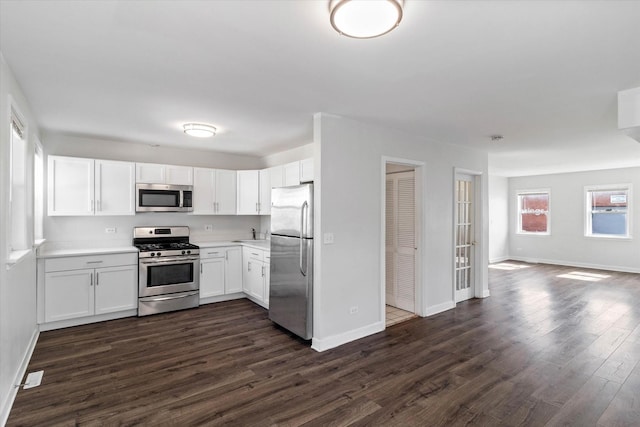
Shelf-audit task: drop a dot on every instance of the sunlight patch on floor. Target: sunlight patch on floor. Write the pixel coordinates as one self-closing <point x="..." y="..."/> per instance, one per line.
<point x="584" y="276"/>
<point x="508" y="266"/>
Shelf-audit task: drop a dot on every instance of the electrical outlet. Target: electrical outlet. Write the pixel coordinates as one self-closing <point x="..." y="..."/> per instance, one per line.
<point x="353" y="310"/>
<point x="208" y="227"/>
<point x="328" y="238"/>
<point x="110" y="230"/>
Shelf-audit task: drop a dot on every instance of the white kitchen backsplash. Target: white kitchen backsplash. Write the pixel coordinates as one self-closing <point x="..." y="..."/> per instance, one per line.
<point x="89" y="230"/>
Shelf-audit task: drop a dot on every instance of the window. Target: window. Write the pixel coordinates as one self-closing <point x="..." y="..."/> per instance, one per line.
<point x="608" y="211"/>
<point x="38" y="192"/>
<point x="18" y="185"/>
<point x="533" y="212"/>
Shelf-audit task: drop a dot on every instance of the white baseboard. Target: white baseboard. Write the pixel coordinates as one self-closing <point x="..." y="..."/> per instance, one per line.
<point x="86" y="320"/>
<point x="24" y="364"/>
<point x="323" y="344"/>
<point x="499" y="259"/>
<point x="439" y="308"/>
<point x="485" y="294"/>
<point x="576" y="264"/>
<point x="221" y="298"/>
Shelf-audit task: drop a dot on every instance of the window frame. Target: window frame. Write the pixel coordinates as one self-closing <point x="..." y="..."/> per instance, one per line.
<point x="588" y="224"/>
<point x="519" y="229"/>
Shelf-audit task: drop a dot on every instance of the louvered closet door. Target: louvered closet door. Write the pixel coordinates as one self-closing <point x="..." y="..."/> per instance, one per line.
<point x="400" y="260"/>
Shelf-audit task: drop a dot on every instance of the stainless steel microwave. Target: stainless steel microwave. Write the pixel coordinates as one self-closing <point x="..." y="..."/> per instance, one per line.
<point x="164" y="198"/>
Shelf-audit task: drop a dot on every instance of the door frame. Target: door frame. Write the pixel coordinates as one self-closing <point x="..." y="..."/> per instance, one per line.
<point x="478" y="218"/>
<point x="420" y="274"/>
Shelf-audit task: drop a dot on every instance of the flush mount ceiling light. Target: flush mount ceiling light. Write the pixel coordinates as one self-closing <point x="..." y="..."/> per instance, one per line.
<point x="199" y="130"/>
<point x="365" y="19"/>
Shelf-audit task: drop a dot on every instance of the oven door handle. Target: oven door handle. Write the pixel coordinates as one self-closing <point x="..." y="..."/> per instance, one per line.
<point x="169" y="297"/>
<point x="172" y="260"/>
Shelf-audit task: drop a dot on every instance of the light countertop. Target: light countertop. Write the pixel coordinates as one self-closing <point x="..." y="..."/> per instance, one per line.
<point x="56" y="252"/>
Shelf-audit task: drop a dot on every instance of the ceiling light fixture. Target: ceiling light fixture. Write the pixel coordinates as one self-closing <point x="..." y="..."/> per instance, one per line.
<point x="199" y="130"/>
<point x="365" y="19"/>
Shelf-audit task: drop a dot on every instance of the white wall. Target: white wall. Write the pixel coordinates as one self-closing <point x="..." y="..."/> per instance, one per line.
<point x="18" y="327"/>
<point x="498" y="218"/>
<point x="349" y="176"/>
<point x="288" y="156"/>
<point x="67" y="145"/>
<point x="567" y="244"/>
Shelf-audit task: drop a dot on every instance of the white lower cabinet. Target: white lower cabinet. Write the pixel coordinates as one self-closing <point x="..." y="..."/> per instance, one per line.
<point x="76" y="288"/>
<point x="220" y="271"/>
<point x="255" y="275"/>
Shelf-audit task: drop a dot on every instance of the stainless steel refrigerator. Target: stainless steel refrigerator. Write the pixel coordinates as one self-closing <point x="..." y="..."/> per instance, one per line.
<point x="291" y="285"/>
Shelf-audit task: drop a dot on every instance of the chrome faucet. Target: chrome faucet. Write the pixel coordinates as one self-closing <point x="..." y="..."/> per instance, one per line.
<point x="253" y="231"/>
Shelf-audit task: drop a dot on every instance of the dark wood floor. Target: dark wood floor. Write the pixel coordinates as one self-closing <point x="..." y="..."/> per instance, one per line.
<point x="542" y="350"/>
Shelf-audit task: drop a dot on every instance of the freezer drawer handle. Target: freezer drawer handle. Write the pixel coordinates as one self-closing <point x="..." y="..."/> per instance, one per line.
<point x="305" y="205"/>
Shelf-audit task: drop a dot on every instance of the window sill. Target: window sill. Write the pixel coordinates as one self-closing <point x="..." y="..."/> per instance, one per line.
<point x="524" y="233"/>
<point x="39" y="242"/>
<point x="605" y="237"/>
<point x="16" y="257"/>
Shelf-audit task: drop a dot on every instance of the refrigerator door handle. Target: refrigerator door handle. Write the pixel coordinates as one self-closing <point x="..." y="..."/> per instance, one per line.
<point x="305" y="205"/>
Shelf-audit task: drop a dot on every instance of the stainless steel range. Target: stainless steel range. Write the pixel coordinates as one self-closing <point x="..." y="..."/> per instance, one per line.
<point x="169" y="269"/>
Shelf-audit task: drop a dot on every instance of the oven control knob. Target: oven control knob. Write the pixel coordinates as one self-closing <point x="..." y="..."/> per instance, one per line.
<point x="188" y="252"/>
<point x="152" y="254"/>
<point x="182" y="252"/>
<point x="157" y="253"/>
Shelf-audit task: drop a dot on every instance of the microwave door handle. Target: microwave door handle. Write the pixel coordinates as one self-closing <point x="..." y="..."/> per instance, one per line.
<point x="181" y="198"/>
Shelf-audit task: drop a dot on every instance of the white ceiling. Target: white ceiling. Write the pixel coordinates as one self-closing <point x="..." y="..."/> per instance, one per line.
<point x="545" y="74"/>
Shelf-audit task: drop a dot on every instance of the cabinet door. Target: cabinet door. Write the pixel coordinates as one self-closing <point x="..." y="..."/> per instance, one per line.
<point x="292" y="174"/>
<point x="150" y="173"/>
<point x="267" y="278"/>
<point x="246" y="270"/>
<point x="276" y="174"/>
<point x="248" y="196"/>
<point x="233" y="271"/>
<point x="256" y="279"/>
<point x="179" y="175"/>
<point x="114" y="188"/>
<point x="204" y="191"/>
<point x="212" y="277"/>
<point x="226" y="192"/>
<point x="306" y="170"/>
<point x="116" y="289"/>
<point x="68" y="294"/>
<point x="265" y="192"/>
<point x="70" y="186"/>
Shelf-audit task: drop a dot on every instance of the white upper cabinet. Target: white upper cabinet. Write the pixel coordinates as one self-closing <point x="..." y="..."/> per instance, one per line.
<point x="248" y="192"/>
<point x="114" y="188"/>
<point x="151" y="173"/>
<point x="291" y="174"/>
<point x="70" y="186"/>
<point x="264" y="204"/>
<point x="214" y="192"/>
<point x="306" y="170"/>
<point x="78" y="186"/>
<point x="276" y="174"/>
<point x="179" y="175"/>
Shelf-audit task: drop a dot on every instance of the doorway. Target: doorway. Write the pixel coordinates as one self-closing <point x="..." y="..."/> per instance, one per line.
<point x="464" y="237"/>
<point x="401" y="238"/>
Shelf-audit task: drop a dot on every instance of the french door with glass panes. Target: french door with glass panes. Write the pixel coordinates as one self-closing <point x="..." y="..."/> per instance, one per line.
<point x="464" y="237"/>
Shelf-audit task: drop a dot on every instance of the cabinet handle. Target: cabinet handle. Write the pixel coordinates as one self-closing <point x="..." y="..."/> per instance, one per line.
<point x="253" y="253"/>
<point x="94" y="262"/>
<point x="200" y="268"/>
<point x="97" y="278"/>
<point x="91" y="279"/>
<point x="226" y="256"/>
<point x="263" y="271"/>
<point x="249" y="266"/>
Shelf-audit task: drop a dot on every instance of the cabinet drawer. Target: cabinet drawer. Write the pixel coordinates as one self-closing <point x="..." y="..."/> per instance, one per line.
<point x="89" y="261"/>
<point x="252" y="253"/>
<point x="217" y="252"/>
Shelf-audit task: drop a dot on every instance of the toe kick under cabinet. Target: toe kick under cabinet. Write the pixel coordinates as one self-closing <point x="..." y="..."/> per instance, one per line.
<point x="76" y="290"/>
